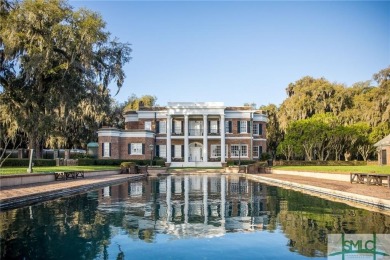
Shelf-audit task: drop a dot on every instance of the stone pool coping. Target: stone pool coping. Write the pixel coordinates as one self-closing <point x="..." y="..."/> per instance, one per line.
<point x="32" y="178"/>
<point x="23" y="195"/>
<point x="368" y="202"/>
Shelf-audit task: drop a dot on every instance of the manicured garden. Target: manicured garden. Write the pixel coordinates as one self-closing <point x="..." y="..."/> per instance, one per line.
<point x="48" y="169"/>
<point x="337" y="169"/>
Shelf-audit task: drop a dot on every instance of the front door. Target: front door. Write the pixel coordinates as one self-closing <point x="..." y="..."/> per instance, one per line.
<point x="384" y="157"/>
<point x="195" y="154"/>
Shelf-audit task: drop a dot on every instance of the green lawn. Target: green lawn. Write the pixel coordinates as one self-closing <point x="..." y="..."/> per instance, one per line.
<point x="337" y="169"/>
<point x="23" y="170"/>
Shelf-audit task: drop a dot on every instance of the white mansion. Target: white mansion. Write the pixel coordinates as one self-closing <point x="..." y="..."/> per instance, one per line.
<point x="187" y="134"/>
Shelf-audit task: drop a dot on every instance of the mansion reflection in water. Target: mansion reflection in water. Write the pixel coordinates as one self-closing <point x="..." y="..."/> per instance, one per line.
<point x="191" y="205"/>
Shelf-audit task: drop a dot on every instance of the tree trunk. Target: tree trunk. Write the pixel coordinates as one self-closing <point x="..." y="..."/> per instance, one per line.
<point x="35" y="143"/>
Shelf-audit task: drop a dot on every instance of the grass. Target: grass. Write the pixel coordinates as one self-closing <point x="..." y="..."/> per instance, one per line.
<point x="23" y="170"/>
<point x="337" y="169"/>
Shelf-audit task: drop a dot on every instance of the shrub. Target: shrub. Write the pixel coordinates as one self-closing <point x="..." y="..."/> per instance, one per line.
<point x="127" y="164"/>
<point x="159" y="162"/>
<point x="86" y="162"/>
<point x="265" y="156"/>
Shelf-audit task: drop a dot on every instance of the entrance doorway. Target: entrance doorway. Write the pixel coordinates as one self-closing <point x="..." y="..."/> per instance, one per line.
<point x="196" y="152"/>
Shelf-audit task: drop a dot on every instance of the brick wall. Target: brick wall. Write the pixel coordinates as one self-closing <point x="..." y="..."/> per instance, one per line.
<point x="131" y="126"/>
<point x="115" y="147"/>
<point x="124" y="148"/>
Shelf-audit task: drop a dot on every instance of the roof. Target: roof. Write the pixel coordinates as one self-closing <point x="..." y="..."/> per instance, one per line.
<point x="91" y="145"/>
<point x="384" y="142"/>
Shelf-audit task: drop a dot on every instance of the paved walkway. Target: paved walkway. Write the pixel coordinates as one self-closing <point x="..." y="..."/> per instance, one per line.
<point x="381" y="192"/>
<point x="16" y="196"/>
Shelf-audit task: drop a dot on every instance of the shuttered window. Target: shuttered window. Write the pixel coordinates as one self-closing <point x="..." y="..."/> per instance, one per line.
<point x="243" y="126"/>
<point x="178" y="151"/>
<point x="136" y="148"/>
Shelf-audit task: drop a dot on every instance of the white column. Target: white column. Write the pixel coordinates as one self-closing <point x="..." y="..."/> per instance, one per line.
<point x="169" y="190"/>
<point x="205" y="196"/>
<point x="222" y="129"/>
<point x="223" y="197"/>
<point x="205" y="133"/>
<point x="186" y="198"/>
<point x="169" y="131"/>
<point x="186" y="143"/>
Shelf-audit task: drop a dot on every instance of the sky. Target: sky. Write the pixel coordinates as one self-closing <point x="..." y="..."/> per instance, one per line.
<point x="240" y="52"/>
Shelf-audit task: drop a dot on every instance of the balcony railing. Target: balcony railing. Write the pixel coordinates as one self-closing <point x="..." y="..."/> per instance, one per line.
<point x="195" y="132"/>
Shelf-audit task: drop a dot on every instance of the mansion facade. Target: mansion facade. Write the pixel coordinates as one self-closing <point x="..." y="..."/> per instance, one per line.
<point x="187" y="134"/>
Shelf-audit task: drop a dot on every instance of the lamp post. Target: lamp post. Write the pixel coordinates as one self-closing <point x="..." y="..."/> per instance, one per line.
<point x="151" y="154"/>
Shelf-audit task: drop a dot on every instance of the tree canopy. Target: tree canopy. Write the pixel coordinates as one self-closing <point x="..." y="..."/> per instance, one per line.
<point x="322" y="120"/>
<point x="56" y="66"/>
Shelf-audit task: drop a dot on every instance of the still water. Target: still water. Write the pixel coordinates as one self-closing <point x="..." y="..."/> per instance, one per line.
<point x="182" y="217"/>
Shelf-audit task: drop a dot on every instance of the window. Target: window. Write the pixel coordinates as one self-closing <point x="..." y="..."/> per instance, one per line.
<point x="243" y="126"/>
<point x="227" y="126"/>
<point x="148" y="125"/>
<point x="136" y="148"/>
<point x="216" y="151"/>
<point x="244" y="150"/>
<point x="213" y="127"/>
<point x="255" y="129"/>
<point x="255" y="151"/>
<point x="162" y="126"/>
<point x="178" y="151"/>
<point x="162" y="151"/>
<point x="235" y="150"/>
<point x="106" y="149"/>
<point x="177" y="126"/>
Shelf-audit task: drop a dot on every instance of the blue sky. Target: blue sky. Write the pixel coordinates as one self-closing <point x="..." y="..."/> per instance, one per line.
<point x="237" y="52"/>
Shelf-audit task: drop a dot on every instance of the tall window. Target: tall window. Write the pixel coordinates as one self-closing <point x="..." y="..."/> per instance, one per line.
<point x="162" y="127"/>
<point x="227" y="126"/>
<point x="177" y="129"/>
<point x="255" y="129"/>
<point x="106" y="149"/>
<point x="215" y="151"/>
<point x="136" y="149"/>
<point x="243" y="126"/>
<point x="255" y="152"/>
<point x="148" y="125"/>
<point x="178" y="151"/>
<point x="213" y="127"/>
<point x="162" y="151"/>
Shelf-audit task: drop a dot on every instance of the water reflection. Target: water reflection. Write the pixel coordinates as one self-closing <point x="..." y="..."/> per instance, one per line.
<point x="190" y="206"/>
<point x="218" y="215"/>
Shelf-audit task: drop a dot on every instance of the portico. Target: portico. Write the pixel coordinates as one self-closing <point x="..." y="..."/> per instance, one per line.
<point x="195" y="124"/>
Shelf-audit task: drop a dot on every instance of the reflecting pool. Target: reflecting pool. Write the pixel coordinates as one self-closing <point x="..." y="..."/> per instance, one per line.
<point x="182" y="217"/>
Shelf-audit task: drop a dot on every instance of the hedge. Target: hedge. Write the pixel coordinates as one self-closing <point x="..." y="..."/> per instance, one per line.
<point x="117" y="162"/>
<point x="10" y="162"/>
<point x="242" y="162"/>
<point x="319" y="163"/>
